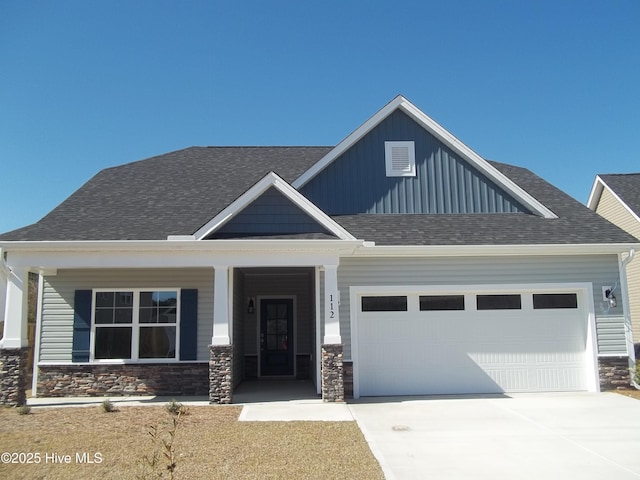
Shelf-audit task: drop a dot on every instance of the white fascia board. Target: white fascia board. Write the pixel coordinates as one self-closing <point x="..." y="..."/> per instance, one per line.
<point x="439" y="132"/>
<point x="272" y="180"/>
<point x="493" y="250"/>
<point x="172" y="254"/>
<point x="596" y="193"/>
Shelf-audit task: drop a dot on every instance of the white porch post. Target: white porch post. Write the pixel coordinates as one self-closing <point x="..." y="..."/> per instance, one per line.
<point x="331" y="311"/>
<point x="221" y="316"/>
<point x="15" y="311"/>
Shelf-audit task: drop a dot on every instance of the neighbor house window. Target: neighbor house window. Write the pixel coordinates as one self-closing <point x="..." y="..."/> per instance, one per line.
<point x="135" y="324"/>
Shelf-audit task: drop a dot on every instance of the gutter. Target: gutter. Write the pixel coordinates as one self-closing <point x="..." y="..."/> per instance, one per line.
<point x="371" y="250"/>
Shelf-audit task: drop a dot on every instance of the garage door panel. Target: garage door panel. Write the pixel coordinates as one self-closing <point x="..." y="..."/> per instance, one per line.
<point x="430" y="352"/>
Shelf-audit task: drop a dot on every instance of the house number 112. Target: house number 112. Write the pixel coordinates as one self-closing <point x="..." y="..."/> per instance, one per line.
<point x="332" y="312"/>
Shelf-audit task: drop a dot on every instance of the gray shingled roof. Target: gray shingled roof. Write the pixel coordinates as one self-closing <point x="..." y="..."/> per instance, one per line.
<point x="171" y="194"/>
<point x="576" y="224"/>
<point x="627" y="187"/>
<point x="177" y="193"/>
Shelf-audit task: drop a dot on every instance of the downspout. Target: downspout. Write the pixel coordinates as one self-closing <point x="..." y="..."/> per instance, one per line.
<point x="627" y="315"/>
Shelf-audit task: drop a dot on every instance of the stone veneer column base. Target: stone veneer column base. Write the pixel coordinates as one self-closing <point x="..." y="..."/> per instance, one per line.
<point x="220" y="374"/>
<point x="13" y="376"/>
<point x="332" y="373"/>
<point x="614" y="373"/>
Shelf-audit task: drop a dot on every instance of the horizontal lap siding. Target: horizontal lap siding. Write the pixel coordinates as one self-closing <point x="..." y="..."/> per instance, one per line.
<point x="599" y="270"/>
<point x="59" y="291"/>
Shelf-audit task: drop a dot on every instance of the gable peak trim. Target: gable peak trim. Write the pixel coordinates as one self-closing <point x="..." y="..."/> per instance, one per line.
<point x="433" y="127"/>
<point x="272" y="179"/>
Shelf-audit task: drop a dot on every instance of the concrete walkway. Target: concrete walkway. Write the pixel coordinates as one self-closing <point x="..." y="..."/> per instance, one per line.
<point x="584" y="436"/>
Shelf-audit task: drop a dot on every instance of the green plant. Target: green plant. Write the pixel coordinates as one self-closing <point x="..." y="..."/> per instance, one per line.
<point x="108" y="406"/>
<point x="176" y="408"/>
<point x="23" y="409"/>
<point x="635" y="372"/>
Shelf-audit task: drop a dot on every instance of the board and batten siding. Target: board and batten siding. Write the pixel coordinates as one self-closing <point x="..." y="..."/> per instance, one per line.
<point x="356" y="182"/>
<point x="597" y="269"/>
<point x="610" y="208"/>
<point x="58" y="298"/>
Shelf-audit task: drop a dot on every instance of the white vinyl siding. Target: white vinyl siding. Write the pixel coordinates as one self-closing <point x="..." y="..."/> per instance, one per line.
<point x="59" y="291"/>
<point x="596" y="269"/>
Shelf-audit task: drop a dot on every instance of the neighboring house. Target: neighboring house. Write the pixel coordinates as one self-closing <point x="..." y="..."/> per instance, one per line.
<point x="397" y="262"/>
<point x="617" y="198"/>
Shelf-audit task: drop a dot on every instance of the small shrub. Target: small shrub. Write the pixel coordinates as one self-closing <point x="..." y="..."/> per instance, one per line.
<point x="108" y="406"/>
<point x="636" y="373"/>
<point x="23" y="410"/>
<point x="163" y="458"/>
<point x="176" y="408"/>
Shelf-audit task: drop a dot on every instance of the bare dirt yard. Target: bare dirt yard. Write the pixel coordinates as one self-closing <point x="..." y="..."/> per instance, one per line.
<point x="208" y="443"/>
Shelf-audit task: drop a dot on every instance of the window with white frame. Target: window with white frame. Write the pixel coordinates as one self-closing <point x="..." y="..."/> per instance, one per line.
<point x="135" y="324"/>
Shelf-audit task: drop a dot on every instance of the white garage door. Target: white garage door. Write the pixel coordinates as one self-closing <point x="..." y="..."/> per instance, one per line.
<point x="458" y="343"/>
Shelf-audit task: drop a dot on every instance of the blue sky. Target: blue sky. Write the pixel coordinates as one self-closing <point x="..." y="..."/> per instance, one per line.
<point x="550" y="85"/>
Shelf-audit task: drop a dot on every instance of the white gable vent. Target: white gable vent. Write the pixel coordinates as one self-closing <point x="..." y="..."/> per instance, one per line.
<point x="400" y="158"/>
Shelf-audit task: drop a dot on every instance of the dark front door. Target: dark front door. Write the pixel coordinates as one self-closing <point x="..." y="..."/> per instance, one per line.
<point x="276" y="337"/>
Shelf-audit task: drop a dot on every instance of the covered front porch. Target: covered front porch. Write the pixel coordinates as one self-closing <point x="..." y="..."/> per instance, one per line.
<point x="271" y="314"/>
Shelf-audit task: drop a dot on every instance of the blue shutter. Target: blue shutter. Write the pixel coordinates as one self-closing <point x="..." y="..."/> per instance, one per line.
<point x="81" y="326"/>
<point x="189" y="324"/>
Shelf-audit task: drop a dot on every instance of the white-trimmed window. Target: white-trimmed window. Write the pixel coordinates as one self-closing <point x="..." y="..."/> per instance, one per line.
<point x="400" y="158"/>
<point x="135" y="324"/>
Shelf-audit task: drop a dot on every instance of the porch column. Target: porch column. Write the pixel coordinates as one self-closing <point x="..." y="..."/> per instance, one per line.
<point x="14" y="345"/>
<point x="221" y="330"/>
<point x="332" y="348"/>
<point x="221" y="350"/>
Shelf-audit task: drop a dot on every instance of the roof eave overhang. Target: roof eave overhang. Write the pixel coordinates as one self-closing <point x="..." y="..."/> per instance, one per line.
<point x="48" y="257"/>
<point x="235" y="245"/>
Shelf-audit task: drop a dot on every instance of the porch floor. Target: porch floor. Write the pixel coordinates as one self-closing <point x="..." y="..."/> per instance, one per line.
<point x="265" y="391"/>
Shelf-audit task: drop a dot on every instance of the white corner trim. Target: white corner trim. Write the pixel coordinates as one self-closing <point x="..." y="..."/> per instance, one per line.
<point x="271" y="179"/>
<point x="439" y="132"/>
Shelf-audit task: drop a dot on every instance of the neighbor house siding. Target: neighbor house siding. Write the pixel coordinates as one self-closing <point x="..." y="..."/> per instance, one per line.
<point x="611" y="209"/>
<point x="599" y="270"/>
<point x="356" y="182"/>
<point x="58" y="299"/>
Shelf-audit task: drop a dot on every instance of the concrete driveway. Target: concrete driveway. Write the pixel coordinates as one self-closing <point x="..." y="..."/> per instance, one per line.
<point x="525" y="436"/>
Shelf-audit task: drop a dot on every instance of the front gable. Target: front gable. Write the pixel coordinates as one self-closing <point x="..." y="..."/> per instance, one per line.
<point x="271" y="214"/>
<point x="271" y="208"/>
<point x="448" y="177"/>
<point x="361" y="180"/>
